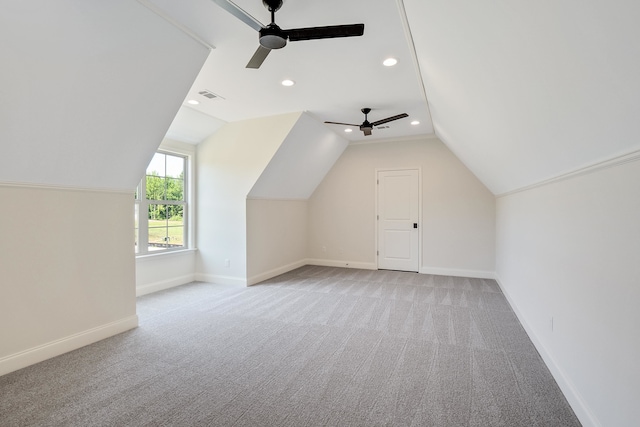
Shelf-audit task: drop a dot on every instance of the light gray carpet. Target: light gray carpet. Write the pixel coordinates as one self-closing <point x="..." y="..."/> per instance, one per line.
<point x="314" y="347"/>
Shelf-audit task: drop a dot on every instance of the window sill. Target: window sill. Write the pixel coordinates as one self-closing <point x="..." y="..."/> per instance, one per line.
<point x="166" y="254"/>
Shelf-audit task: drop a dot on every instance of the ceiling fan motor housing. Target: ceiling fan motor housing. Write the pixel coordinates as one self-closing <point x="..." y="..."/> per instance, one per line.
<point x="271" y="37"/>
<point x="272" y="4"/>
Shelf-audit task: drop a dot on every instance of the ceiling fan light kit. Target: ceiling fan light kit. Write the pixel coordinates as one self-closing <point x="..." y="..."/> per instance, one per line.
<point x="273" y="37"/>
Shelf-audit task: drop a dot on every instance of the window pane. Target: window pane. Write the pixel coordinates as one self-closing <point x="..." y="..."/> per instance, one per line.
<point x="157" y="227"/>
<point x="175" y="225"/>
<point x="175" y="166"/>
<point x="157" y="235"/>
<point x="175" y="189"/>
<point x="175" y="236"/>
<point x="166" y="227"/>
<point x="157" y="213"/>
<point x="175" y="213"/>
<point x="155" y="188"/>
<point x="157" y="165"/>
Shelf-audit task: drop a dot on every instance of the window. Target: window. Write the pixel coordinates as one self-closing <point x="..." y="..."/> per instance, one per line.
<point x="161" y="205"/>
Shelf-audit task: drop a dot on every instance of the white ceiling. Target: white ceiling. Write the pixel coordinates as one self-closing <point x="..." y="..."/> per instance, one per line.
<point x="523" y="92"/>
<point x="520" y="91"/>
<point x="334" y="78"/>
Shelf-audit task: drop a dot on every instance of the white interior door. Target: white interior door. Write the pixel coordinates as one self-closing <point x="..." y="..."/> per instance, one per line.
<point x="398" y="220"/>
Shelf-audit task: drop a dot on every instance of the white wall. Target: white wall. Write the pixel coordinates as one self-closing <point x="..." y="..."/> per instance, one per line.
<point x="571" y="250"/>
<point x="228" y="165"/>
<point x="67" y="271"/>
<point x="162" y="271"/>
<point x="89" y="89"/>
<point x="458" y="212"/>
<point x="276" y="237"/>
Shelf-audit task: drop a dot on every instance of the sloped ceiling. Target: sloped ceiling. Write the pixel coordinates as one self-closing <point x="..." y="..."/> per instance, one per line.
<point x="303" y="159"/>
<point x="88" y="91"/>
<point x="519" y="91"/>
<point x="525" y="91"/>
<point x="232" y="160"/>
<point x="192" y="126"/>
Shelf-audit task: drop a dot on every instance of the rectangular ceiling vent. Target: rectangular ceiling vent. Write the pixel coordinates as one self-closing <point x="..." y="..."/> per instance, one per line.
<point x="209" y="94"/>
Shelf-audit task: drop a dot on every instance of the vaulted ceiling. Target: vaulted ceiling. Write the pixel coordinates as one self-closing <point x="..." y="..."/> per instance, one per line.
<point x="520" y="91"/>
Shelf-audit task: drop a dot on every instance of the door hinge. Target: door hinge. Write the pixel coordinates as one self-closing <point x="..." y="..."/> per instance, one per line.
<point x="377" y="181"/>
<point x="378" y="253"/>
<point x="377" y="216"/>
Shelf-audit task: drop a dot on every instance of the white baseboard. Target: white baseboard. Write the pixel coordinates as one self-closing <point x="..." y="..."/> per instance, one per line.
<point x="577" y="403"/>
<point x="477" y="274"/>
<point x="346" y="264"/>
<point x="46" y="351"/>
<point x="231" y="280"/>
<point x="222" y="280"/>
<point x="275" y="272"/>
<point x="165" y="284"/>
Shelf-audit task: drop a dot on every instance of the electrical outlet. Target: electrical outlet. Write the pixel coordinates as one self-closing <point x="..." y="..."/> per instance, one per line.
<point x="324" y="249"/>
<point x="551" y="323"/>
<point x="227" y="263"/>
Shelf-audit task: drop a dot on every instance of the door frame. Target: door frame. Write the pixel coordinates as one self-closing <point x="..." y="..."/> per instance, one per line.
<point x="376" y="213"/>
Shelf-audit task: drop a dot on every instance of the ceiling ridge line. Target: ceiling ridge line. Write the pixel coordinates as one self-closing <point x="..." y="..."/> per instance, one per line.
<point x="161" y="13"/>
<point x="414" y="55"/>
<point x="633" y="156"/>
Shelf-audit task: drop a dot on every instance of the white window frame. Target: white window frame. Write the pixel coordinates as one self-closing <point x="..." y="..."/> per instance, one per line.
<point x="142" y="206"/>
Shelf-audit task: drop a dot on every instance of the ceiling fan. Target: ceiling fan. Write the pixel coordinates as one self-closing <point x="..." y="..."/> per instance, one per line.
<point x="366" y="127"/>
<point x="274" y="37"/>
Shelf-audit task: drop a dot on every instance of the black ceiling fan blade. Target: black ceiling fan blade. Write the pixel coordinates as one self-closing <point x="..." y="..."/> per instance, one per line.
<point x="239" y="13"/>
<point x="390" y="119"/>
<point x="258" y="57"/>
<point x="333" y="31"/>
<point x="338" y="123"/>
<point x="367" y="131"/>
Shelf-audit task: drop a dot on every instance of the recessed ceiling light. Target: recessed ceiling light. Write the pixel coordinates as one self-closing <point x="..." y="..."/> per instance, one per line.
<point x="415" y="122"/>
<point x="348" y="130"/>
<point x="390" y="62"/>
<point x="193" y="102"/>
<point x="288" y="82"/>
